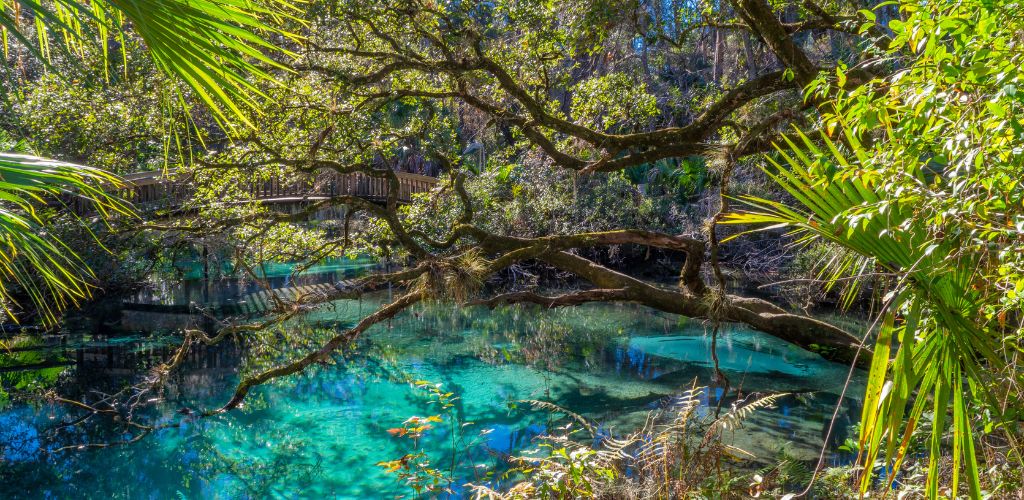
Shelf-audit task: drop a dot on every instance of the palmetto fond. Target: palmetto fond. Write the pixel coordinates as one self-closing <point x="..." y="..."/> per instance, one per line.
<point x="934" y="350"/>
<point x="219" y="48"/>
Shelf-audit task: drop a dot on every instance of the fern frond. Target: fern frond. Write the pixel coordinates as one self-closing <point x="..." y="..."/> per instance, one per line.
<point x="554" y="408"/>
<point x="740" y="410"/>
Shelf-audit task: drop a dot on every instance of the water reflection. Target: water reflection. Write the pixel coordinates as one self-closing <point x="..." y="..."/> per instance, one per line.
<point x="322" y="432"/>
<point x="192" y="288"/>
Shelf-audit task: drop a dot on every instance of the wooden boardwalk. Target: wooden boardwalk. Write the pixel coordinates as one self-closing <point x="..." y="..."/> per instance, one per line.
<point x="165" y="190"/>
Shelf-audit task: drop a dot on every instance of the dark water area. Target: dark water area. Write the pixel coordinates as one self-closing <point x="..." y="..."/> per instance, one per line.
<point x="225" y="289"/>
<point x="322" y="432"/>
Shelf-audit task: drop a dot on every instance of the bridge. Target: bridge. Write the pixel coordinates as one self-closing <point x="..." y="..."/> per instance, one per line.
<point x="169" y="191"/>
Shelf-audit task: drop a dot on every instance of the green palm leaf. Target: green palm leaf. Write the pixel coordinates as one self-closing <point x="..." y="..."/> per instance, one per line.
<point x="931" y="322"/>
<point x="219" y="48"/>
<point x="47" y="271"/>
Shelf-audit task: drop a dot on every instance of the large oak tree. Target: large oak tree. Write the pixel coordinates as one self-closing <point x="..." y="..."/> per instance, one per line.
<point x="589" y="88"/>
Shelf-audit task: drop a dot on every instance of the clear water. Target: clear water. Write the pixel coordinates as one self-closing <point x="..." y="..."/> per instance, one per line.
<point x="321" y="433"/>
<point x="192" y="288"/>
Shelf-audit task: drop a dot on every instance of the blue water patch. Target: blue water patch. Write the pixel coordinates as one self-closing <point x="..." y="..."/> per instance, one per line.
<point x="323" y="432"/>
<point x="739" y="351"/>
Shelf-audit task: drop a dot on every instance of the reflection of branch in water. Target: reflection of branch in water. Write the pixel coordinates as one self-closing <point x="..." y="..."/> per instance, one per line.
<point x="322" y="354"/>
<point x="121" y="406"/>
<point x="258" y="476"/>
<point x="124" y="419"/>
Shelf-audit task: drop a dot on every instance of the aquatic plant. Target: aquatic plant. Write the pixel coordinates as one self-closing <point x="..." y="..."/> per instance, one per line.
<point x="680" y="452"/>
<point x="416" y="469"/>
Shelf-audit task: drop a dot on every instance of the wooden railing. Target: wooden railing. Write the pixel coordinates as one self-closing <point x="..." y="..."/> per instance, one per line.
<point x="165" y="190"/>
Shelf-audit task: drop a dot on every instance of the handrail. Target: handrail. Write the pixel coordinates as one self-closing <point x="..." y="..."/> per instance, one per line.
<point x="160" y="186"/>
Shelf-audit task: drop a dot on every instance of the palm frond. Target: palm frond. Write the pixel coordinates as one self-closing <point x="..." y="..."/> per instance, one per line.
<point x="219" y="48"/>
<point x="31" y="257"/>
<point x="931" y="316"/>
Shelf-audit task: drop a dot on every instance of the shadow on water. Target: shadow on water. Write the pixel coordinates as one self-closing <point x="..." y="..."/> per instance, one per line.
<point x="322" y="432"/>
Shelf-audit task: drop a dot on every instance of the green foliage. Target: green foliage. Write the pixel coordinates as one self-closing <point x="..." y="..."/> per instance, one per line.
<point x="941" y="338"/>
<point x="540" y="199"/>
<point x="415" y="469"/>
<point x="122" y="127"/>
<point x="26" y="351"/>
<point x="683" y="177"/>
<point x="935" y="199"/>
<point x="680" y="453"/>
<point x="613" y="102"/>
<point x="531" y="198"/>
<point x="215" y="46"/>
<point x="44" y="268"/>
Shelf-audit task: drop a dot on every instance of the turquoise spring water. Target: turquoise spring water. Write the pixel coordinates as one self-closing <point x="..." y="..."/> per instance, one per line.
<point x="321" y="433"/>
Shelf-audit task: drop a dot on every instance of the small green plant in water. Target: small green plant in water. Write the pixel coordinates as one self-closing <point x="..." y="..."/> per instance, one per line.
<point x="415" y="468"/>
